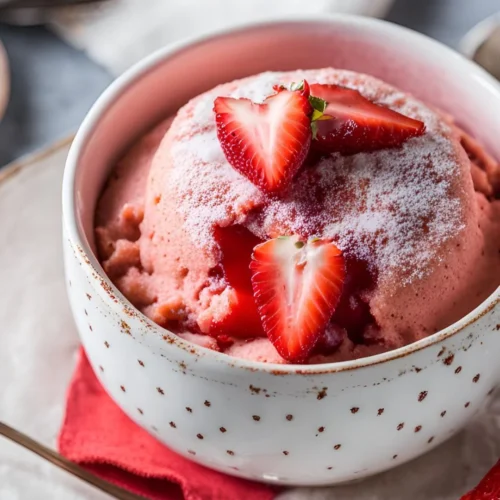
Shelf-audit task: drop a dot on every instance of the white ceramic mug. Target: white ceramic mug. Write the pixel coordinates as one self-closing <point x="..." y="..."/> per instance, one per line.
<point x="307" y="425"/>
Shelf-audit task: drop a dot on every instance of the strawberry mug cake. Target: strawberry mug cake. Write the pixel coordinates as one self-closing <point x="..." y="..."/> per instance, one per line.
<point x="303" y="217"/>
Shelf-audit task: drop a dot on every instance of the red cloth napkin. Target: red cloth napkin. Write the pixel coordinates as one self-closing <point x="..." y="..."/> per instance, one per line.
<point x="99" y="436"/>
<point x="488" y="488"/>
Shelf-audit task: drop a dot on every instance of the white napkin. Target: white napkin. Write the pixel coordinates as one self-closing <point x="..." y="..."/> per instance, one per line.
<point x="118" y="33"/>
<point x="38" y="342"/>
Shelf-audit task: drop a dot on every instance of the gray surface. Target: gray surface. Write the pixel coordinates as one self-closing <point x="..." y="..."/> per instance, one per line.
<point x="445" y="20"/>
<point x="53" y="85"/>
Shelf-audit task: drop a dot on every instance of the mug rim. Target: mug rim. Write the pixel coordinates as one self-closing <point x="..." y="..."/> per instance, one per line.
<point x="127" y="79"/>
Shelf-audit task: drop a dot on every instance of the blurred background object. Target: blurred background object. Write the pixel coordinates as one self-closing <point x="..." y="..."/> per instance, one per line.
<point x="59" y="68"/>
<point x="26" y="12"/>
<point x="4" y="81"/>
<point x="488" y="53"/>
<point x="482" y="44"/>
<point x="104" y="31"/>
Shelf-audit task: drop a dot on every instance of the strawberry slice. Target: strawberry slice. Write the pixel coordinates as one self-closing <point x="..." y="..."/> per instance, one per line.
<point x="266" y="142"/>
<point x="297" y="287"/>
<point x="353" y="124"/>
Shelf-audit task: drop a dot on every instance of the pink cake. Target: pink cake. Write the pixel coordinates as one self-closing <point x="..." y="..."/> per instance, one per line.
<point x="418" y="226"/>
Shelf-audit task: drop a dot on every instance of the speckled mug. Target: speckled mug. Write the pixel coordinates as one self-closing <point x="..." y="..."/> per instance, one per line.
<point x="302" y="425"/>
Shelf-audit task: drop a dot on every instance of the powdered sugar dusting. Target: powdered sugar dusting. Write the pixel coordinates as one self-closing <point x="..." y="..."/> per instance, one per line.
<point x="210" y="191"/>
<point x="256" y="89"/>
<point x="389" y="209"/>
<point x="394" y="209"/>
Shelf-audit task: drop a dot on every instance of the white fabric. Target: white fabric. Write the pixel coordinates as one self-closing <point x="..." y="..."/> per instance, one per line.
<point x="118" y="33"/>
<point x="38" y="343"/>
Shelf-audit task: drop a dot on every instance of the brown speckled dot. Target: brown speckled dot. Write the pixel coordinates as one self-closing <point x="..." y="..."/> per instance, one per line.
<point x="490" y="392"/>
<point x="321" y="394"/>
<point x="380" y="411"/>
<point x="337" y="447"/>
<point x="418" y="428"/>
<point x="160" y="391"/>
<point x="140" y="411"/>
<point x="90" y="328"/>
<point x="256" y="418"/>
<point x="476" y="378"/>
<point x="458" y="370"/>
<point x="140" y="362"/>
<point x="122" y="387"/>
<point x="321" y="429"/>
<point x="329" y="468"/>
<point x="230" y="452"/>
<point x="289" y="418"/>
<point x="222" y="429"/>
<point x="85" y="311"/>
<point x="191" y="452"/>
<point x="394" y="457"/>
<point x="441" y="352"/>
<point x="422" y="396"/>
<point x="189" y="409"/>
<point x="354" y="409"/>
<point x="172" y="424"/>
<point x="106" y="343"/>
<point x="443" y="413"/>
<point x="285" y="452"/>
<point x="199" y="436"/>
<point x="207" y="404"/>
<point x="466" y="405"/>
<point x="430" y="440"/>
<point x="88" y="296"/>
<point x="449" y="359"/>
<point x="101" y="368"/>
<point x="400" y="426"/>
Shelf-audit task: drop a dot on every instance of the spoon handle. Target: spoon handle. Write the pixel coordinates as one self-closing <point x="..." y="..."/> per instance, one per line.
<point x="63" y="463"/>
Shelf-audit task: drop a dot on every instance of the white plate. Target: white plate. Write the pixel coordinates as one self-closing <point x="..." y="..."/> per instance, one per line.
<point x="36" y="358"/>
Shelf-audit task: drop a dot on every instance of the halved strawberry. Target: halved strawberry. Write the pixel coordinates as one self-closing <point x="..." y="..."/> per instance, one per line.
<point x="356" y="124"/>
<point x="266" y="142"/>
<point x="297" y="287"/>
